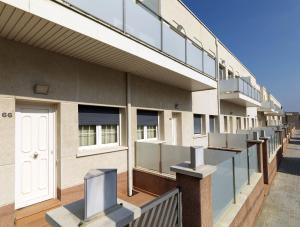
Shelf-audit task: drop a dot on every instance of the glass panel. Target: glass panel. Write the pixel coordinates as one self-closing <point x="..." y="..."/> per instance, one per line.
<point x="194" y="56"/>
<point x="140" y="132"/>
<point x="222" y="188"/>
<point x="143" y="24"/>
<point x="151" y="131"/>
<point x="209" y="65"/>
<point x="173" y="43"/>
<point x="87" y="135"/>
<point x="241" y="85"/>
<point x="173" y="155"/>
<point x="241" y="170"/>
<point x="253" y="160"/>
<point x="148" y="155"/>
<point x="151" y="4"/>
<point x="109" y="134"/>
<point x="109" y="11"/>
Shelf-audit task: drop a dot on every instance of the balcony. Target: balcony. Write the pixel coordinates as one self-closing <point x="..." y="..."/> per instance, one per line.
<point x="270" y="108"/>
<point x="239" y="91"/>
<point x="118" y="34"/>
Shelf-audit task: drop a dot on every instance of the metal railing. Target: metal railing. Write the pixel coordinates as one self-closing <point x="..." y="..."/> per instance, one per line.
<point x="242" y="86"/>
<point x="274" y="141"/>
<point x="161" y="212"/>
<point x="234" y="169"/>
<point x="230" y="178"/>
<point x="135" y="19"/>
<point x="273" y="144"/>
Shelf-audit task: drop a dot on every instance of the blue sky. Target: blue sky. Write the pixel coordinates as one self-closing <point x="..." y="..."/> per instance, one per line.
<point x="264" y="35"/>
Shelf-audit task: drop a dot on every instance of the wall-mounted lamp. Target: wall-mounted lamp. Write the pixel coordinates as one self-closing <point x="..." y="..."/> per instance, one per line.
<point x="42" y="89"/>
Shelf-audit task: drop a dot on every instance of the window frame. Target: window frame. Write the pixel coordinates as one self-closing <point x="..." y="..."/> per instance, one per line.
<point x="202" y="128"/>
<point x="145" y="131"/>
<point x="99" y="136"/>
<point x="99" y="143"/>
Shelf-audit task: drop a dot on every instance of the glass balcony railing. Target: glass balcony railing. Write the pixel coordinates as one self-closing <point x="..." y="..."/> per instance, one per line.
<point x="135" y="19"/>
<point x="242" y="86"/>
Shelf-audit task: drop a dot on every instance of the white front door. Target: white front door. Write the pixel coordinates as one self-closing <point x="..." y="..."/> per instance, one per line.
<point x="34" y="179"/>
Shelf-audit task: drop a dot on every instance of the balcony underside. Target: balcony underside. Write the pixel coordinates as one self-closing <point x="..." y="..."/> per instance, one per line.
<point x="66" y="32"/>
<point x="240" y="99"/>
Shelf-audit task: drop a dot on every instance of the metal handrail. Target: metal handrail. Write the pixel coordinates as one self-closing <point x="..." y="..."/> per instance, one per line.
<point x="66" y="3"/>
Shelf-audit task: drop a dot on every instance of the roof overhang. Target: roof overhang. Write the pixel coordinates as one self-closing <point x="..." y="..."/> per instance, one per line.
<point x="240" y="99"/>
<point x="54" y="27"/>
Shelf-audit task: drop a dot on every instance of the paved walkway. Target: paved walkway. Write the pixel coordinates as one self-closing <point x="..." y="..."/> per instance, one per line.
<point x="282" y="206"/>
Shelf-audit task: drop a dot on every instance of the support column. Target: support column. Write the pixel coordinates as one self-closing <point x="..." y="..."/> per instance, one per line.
<point x="265" y="159"/>
<point x="196" y="189"/>
<point x="129" y="136"/>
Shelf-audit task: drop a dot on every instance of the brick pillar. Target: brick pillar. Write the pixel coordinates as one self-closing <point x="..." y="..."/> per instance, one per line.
<point x="196" y="188"/>
<point x="265" y="158"/>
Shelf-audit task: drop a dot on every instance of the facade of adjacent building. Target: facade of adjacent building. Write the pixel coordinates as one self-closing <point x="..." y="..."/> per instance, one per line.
<point x="80" y="86"/>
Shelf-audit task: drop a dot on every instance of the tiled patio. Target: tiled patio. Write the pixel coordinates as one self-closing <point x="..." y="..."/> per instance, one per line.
<point x="282" y="206"/>
<point x="33" y="216"/>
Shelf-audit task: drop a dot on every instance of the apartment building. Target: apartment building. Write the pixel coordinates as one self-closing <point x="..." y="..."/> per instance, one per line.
<point x="271" y="112"/>
<point x="239" y="93"/>
<point x="80" y="86"/>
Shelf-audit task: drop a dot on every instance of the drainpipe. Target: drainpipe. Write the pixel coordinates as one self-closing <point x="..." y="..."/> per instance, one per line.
<point x="218" y="83"/>
<point x="129" y="136"/>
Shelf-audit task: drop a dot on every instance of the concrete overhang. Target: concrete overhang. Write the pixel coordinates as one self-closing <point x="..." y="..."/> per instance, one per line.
<point x="239" y="99"/>
<point x="51" y="26"/>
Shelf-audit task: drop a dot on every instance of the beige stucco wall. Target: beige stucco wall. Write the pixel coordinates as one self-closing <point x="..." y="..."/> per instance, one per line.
<point x="7" y="145"/>
<point x="228" y="108"/>
<point x="74" y="82"/>
<point x="205" y="102"/>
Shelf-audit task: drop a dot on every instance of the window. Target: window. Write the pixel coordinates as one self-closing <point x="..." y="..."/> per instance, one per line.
<point x="253" y="123"/>
<point x="87" y="135"/>
<point x="225" y="124"/>
<point x="98" y="126"/>
<point x="222" y="73"/>
<point x="212" y="124"/>
<point x="147" y="125"/>
<point x="199" y="124"/>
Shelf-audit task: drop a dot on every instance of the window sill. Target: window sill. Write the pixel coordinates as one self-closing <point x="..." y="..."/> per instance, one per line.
<point x="86" y="151"/>
<point x="198" y="136"/>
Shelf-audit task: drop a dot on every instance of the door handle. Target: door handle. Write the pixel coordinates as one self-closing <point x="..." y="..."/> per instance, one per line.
<point x="35" y="155"/>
